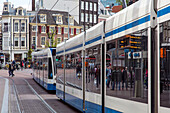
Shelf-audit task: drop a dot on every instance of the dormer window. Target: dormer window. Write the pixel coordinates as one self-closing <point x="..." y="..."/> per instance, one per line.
<point x="5" y="7"/>
<point x="71" y="21"/>
<point x="20" y="12"/>
<point x="42" y="18"/>
<point x="59" y="19"/>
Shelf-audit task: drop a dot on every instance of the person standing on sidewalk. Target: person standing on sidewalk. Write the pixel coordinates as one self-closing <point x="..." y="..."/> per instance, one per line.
<point x="21" y="65"/>
<point x="12" y="69"/>
<point x="9" y="69"/>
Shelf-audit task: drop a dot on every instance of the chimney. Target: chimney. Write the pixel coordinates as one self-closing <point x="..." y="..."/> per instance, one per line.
<point x="33" y="5"/>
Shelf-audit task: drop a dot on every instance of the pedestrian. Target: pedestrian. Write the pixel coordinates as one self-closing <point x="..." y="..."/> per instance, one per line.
<point x="9" y="70"/>
<point x="119" y="77"/>
<point x="108" y="76"/>
<point x="21" y="65"/>
<point x="97" y="76"/>
<point x="12" y="70"/>
<point x="113" y="78"/>
<point x="124" y="78"/>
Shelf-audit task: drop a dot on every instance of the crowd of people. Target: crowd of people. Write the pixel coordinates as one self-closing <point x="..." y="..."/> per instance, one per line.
<point x="12" y="66"/>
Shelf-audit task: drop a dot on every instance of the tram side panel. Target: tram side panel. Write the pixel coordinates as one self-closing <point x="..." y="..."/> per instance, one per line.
<point x="93" y="92"/>
<point x="127" y="48"/>
<point x="60" y="77"/>
<point x="163" y="17"/>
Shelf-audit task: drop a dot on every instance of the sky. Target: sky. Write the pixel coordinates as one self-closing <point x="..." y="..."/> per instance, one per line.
<point x="24" y="3"/>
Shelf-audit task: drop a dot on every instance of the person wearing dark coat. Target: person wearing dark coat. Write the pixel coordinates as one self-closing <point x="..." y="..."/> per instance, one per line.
<point x="9" y="69"/>
<point x="21" y="64"/>
<point x="113" y="78"/>
<point x="124" y="78"/>
<point x="119" y="77"/>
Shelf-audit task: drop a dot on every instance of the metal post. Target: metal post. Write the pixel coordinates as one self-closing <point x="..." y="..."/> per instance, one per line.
<point x="64" y="69"/>
<point x="68" y="24"/>
<point x="84" y="77"/>
<point x="154" y="59"/>
<point x="124" y="3"/>
<point x="10" y="39"/>
<point x="103" y="70"/>
<point x="36" y="32"/>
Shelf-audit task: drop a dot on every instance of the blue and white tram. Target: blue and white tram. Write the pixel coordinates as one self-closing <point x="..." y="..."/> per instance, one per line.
<point x="44" y="69"/>
<point x="163" y="28"/>
<point x="122" y="85"/>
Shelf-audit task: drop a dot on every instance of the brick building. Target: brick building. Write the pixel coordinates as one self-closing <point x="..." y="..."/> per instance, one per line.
<point x="50" y="20"/>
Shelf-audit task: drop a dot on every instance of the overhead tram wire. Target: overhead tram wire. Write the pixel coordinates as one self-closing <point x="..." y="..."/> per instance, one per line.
<point x="54" y="5"/>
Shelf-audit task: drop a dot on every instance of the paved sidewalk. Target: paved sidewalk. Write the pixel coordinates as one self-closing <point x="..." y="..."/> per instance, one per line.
<point x="4" y="92"/>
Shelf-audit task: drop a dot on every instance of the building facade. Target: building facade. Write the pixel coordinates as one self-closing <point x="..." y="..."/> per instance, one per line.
<point x="1" y="53"/>
<point x="49" y="21"/>
<point x="85" y="12"/>
<point x="15" y="32"/>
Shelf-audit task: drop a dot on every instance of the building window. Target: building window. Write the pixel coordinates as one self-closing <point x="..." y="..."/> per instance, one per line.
<point x="91" y="6"/>
<point x="34" y="40"/>
<point x="91" y="18"/>
<point x="65" y="30"/>
<point x="23" y="41"/>
<point x="71" y="21"/>
<point x="77" y="31"/>
<point x="59" y="30"/>
<point x="42" y="40"/>
<point x="5" y="27"/>
<point x="43" y="18"/>
<point x="58" y="40"/>
<point x="5" y="7"/>
<point x="95" y="7"/>
<point x="20" y="12"/>
<point x="82" y="4"/>
<point x="43" y="29"/>
<point x="23" y="27"/>
<point x="34" y="28"/>
<point x="59" y="19"/>
<point x="87" y="17"/>
<point x="72" y="31"/>
<point x="16" y="27"/>
<point x="52" y="29"/>
<point x="6" y="42"/>
<point x="16" y="41"/>
<point x="82" y="17"/>
<point x="94" y="18"/>
<point x="87" y="5"/>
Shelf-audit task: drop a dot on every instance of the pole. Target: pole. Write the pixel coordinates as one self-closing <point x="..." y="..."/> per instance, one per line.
<point x="124" y="3"/>
<point x="68" y="25"/>
<point x="10" y="40"/>
<point x="36" y="32"/>
<point x="154" y="59"/>
<point x="64" y="69"/>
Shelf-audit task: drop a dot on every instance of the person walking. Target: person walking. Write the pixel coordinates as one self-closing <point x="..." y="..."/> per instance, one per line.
<point x="9" y="70"/>
<point x="12" y="69"/>
<point x="124" y="78"/>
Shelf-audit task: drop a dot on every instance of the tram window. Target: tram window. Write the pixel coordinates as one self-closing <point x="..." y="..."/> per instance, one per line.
<point x="127" y="67"/>
<point x="165" y="64"/>
<point x="50" y="74"/>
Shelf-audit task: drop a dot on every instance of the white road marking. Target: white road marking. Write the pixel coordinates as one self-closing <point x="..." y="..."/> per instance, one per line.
<point x="5" y="97"/>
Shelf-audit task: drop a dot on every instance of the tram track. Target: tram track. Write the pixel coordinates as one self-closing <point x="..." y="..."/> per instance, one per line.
<point x="42" y="100"/>
<point x="19" y="104"/>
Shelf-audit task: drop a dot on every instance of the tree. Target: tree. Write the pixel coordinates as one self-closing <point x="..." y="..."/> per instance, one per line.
<point x="121" y="3"/>
<point x="52" y="41"/>
<point x="29" y="54"/>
